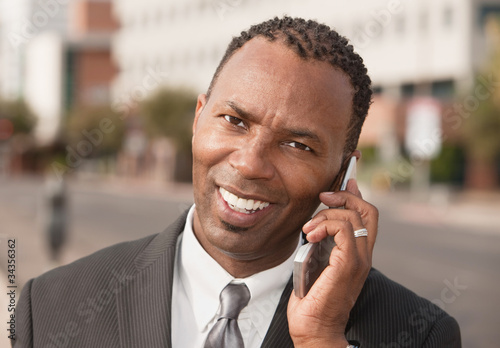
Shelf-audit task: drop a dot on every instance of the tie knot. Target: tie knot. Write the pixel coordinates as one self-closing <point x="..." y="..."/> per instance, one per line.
<point x="233" y="298"/>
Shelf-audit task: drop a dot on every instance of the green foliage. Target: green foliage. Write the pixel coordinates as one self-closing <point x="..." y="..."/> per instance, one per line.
<point x="449" y="166"/>
<point x="482" y="128"/>
<point x="19" y="114"/>
<point x="170" y="113"/>
<point x="369" y="154"/>
<point x="98" y="125"/>
<point x="482" y="131"/>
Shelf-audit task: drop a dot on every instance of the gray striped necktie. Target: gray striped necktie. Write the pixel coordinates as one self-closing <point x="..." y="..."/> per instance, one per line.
<point x="226" y="333"/>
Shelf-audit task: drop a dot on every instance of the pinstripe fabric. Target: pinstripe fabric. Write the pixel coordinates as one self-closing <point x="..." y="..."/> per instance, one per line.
<point x="277" y="335"/>
<point x="388" y="315"/>
<point x="121" y="297"/>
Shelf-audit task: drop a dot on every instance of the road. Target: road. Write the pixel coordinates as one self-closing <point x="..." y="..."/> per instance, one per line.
<point x="453" y="264"/>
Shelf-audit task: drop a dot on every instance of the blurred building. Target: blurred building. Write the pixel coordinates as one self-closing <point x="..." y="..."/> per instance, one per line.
<point x="89" y="67"/>
<point x="56" y="55"/>
<point x="20" y="22"/>
<point x="410" y="47"/>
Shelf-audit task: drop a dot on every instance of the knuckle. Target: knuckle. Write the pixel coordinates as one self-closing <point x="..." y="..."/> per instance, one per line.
<point x="345" y="225"/>
<point x="373" y="210"/>
<point x="352" y="214"/>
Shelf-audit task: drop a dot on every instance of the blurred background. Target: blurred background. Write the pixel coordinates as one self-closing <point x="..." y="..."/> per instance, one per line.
<point x="97" y="99"/>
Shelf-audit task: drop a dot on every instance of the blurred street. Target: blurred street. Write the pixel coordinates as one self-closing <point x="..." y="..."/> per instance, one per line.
<point x="448" y="253"/>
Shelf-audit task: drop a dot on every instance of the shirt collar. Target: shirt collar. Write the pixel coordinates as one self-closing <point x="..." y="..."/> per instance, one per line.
<point x="203" y="279"/>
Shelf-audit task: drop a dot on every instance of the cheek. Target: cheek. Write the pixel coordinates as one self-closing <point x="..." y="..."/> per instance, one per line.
<point x="304" y="183"/>
<point x="207" y="149"/>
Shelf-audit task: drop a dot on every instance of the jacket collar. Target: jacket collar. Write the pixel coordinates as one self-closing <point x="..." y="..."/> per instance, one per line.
<point x="145" y="305"/>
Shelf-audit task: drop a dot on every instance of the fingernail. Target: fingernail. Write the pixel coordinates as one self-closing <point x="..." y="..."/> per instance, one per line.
<point x="328" y="193"/>
<point x="308" y="223"/>
<point x="311" y="237"/>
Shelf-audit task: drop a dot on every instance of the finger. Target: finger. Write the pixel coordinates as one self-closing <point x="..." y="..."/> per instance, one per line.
<point x="347" y="264"/>
<point x="352" y="186"/>
<point x="367" y="212"/>
<point x="347" y="222"/>
<point x="340" y="230"/>
<point x="315" y="235"/>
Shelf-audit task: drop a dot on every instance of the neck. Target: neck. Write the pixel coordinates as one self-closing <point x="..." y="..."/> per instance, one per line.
<point x="245" y="264"/>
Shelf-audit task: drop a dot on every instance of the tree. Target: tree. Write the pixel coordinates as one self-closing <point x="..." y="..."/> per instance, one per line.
<point x="169" y="113"/>
<point x="94" y="131"/>
<point x="18" y="116"/>
<point x="482" y="128"/>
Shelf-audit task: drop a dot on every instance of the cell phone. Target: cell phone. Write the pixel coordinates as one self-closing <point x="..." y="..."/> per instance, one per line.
<point x="312" y="258"/>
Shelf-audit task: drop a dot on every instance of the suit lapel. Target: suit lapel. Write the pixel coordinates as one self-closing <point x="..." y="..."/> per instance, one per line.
<point x="144" y="305"/>
<point x="278" y="335"/>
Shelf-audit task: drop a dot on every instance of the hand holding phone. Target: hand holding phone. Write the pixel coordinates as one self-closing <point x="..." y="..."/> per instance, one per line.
<point x="312" y="258"/>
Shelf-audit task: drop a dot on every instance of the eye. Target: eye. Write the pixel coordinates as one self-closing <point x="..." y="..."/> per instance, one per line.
<point x="234" y="120"/>
<point x="299" y="146"/>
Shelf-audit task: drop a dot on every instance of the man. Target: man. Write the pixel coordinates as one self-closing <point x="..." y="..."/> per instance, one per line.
<point x="270" y="142"/>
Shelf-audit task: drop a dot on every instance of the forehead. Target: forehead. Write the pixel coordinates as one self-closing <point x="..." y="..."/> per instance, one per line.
<point x="272" y="80"/>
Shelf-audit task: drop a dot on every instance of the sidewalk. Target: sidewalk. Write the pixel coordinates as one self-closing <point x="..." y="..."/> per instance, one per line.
<point x="476" y="212"/>
<point x="473" y="212"/>
<point x="133" y="187"/>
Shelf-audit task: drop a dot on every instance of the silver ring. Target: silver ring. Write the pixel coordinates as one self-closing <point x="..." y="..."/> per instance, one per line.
<point x="363" y="232"/>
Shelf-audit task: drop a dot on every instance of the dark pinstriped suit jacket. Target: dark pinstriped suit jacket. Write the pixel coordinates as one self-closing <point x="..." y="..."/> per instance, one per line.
<point x="121" y="297"/>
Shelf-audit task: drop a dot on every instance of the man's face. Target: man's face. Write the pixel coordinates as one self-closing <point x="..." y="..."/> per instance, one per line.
<point x="273" y="131"/>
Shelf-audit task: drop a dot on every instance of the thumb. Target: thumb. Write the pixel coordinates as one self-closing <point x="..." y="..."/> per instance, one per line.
<point x="352" y="186"/>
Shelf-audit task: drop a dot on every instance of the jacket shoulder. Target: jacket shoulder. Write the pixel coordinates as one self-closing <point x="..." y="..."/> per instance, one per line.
<point x="387" y="314"/>
<point x="92" y="270"/>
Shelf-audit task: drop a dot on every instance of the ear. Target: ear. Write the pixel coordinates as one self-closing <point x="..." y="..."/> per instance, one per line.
<point x="338" y="179"/>
<point x="356" y="153"/>
<point x="200" y="105"/>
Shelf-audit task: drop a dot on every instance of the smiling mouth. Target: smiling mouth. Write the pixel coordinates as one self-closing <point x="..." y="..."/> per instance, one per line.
<point x="242" y="205"/>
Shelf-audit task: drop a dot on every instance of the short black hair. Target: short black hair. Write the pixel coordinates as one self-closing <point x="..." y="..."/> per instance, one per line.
<point x="312" y="40"/>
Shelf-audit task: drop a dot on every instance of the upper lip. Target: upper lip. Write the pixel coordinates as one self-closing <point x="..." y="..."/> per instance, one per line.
<point x="244" y="195"/>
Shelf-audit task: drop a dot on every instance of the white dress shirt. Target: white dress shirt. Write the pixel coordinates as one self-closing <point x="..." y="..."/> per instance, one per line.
<point x="198" y="281"/>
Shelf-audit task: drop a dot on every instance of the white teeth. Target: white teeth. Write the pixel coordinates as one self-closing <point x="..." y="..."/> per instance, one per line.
<point x="242" y="203"/>
<point x="232" y="199"/>
<point x="247" y="206"/>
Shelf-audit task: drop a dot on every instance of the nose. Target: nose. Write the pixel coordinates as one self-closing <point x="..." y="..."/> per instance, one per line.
<point x="253" y="160"/>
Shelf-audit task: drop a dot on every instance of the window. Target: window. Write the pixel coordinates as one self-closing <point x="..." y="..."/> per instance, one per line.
<point x="423" y="22"/>
<point x="407" y="90"/>
<point x="400" y="24"/>
<point x="448" y="17"/>
<point x="443" y="89"/>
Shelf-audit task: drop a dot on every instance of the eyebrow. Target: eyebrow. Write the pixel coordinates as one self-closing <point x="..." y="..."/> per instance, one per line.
<point x="301" y="133"/>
